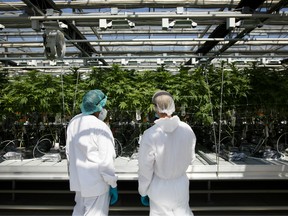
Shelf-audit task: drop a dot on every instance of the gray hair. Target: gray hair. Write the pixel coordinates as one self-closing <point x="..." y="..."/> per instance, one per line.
<point x="163" y="102"/>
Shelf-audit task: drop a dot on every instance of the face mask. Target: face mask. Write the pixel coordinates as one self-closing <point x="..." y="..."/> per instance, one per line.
<point x="102" y="114"/>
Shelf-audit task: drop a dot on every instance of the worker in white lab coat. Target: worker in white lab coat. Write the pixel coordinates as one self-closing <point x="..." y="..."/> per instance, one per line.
<point x="166" y="150"/>
<point x="90" y="153"/>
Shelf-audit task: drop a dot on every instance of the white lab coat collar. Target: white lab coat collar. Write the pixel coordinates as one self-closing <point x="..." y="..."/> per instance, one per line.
<point x="168" y="124"/>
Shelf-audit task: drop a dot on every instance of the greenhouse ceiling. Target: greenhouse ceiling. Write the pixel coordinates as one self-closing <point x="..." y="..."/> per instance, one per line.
<point x="53" y="36"/>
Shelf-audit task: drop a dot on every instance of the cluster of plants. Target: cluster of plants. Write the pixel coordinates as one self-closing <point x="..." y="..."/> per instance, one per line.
<point x="204" y="97"/>
<point x="199" y="94"/>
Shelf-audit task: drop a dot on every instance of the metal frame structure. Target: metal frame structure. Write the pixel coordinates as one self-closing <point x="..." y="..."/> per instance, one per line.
<point x="159" y="32"/>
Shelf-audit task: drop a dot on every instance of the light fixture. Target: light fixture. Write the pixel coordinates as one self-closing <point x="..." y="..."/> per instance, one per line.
<point x="165" y="23"/>
<point x="194" y="24"/>
<point x="103" y="24"/>
<point x="116" y="24"/>
<point x="169" y="62"/>
<point x="93" y="62"/>
<point x="249" y="24"/>
<point x="264" y="61"/>
<point x="49" y="25"/>
<point x="124" y="61"/>
<point x="194" y="61"/>
<point x="183" y="24"/>
<point x="274" y="62"/>
<point x="238" y="24"/>
<point x="134" y="62"/>
<point x="32" y="63"/>
<point x="122" y="24"/>
<point x="178" y="23"/>
<point x="159" y="61"/>
<point x="230" y="23"/>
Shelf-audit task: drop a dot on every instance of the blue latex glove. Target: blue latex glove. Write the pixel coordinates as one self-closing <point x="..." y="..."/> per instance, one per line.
<point x="113" y="192"/>
<point x="145" y="200"/>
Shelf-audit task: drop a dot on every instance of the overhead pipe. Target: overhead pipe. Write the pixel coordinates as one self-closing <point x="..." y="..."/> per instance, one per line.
<point x="85" y="68"/>
<point x="147" y="16"/>
<point x="175" y="57"/>
<point x="152" y="15"/>
<point x="87" y="4"/>
<point x="75" y="54"/>
<point x="195" y="31"/>
<point x="147" y="52"/>
<point x="180" y="39"/>
<point x="153" y="42"/>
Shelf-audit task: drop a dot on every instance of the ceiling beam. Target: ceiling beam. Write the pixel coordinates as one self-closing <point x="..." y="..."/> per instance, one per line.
<point x="155" y="52"/>
<point x="222" y="31"/>
<point x="148" y="39"/>
<point x="249" y="30"/>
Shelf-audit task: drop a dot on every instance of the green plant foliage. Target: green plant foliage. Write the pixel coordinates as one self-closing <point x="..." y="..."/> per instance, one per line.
<point x="232" y="82"/>
<point x="4" y="80"/>
<point x="190" y="91"/>
<point x="197" y="92"/>
<point x="31" y="92"/>
<point x="72" y="91"/>
<point x="127" y="91"/>
<point x="268" y="90"/>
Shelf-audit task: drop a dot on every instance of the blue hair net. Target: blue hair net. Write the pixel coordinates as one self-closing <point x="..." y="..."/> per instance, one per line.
<point x="93" y="101"/>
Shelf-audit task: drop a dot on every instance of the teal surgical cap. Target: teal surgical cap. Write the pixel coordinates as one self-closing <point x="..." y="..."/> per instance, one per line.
<point x="93" y="101"/>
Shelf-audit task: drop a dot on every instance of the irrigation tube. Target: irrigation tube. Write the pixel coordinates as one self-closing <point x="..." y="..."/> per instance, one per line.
<point x="63" y="96"/>
<point x="75" y="92"/>
<point x="210" y="101"/>
<point x="220" y="122"/>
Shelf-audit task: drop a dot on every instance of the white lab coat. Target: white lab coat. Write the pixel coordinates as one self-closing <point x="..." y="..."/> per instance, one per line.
<point x="90" y="153"/>
<point x="166" y="150"/>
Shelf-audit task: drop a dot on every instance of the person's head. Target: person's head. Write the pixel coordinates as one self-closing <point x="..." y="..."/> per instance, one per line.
<point x="93" y="102"/>
<point x="164" y="103"/>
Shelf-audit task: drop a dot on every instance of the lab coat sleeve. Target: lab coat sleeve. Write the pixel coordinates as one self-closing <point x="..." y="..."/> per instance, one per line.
<point x="193" y="149"/>
<point x="146" y="165"/>
<point x="68" y="140"/>
<point x="107" y="158"/>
